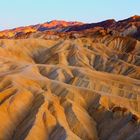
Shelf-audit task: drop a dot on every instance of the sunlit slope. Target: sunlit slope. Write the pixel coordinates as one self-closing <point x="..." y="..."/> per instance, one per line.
<point x="70" y="89"/>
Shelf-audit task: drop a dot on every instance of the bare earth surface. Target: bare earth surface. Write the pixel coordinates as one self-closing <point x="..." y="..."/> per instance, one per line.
<point x="82" y="88"/>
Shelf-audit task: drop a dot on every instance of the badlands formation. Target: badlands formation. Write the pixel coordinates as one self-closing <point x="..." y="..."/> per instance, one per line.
<point x="71" y="81"/>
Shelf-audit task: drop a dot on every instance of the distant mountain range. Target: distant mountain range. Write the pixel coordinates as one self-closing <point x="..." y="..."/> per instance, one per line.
<point x="126" y="27"/>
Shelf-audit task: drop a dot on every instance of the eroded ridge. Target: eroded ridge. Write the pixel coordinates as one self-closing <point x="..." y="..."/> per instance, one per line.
<point x="70" y="89"/>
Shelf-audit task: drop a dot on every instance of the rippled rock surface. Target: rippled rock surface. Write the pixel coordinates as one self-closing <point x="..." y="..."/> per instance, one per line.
<point x="82" y="83"/>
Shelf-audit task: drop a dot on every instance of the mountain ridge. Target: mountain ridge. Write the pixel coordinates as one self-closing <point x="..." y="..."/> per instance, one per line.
<point x="126" y="27"/>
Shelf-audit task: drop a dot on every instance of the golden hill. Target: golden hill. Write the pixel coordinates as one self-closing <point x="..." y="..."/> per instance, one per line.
<point x="70" y="89"/>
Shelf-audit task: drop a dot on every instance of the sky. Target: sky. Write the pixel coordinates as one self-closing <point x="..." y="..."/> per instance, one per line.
<point x="14" y="13"/>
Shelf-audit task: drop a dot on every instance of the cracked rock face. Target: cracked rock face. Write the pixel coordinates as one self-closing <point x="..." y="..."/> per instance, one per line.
<point x="70" y="89"/>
